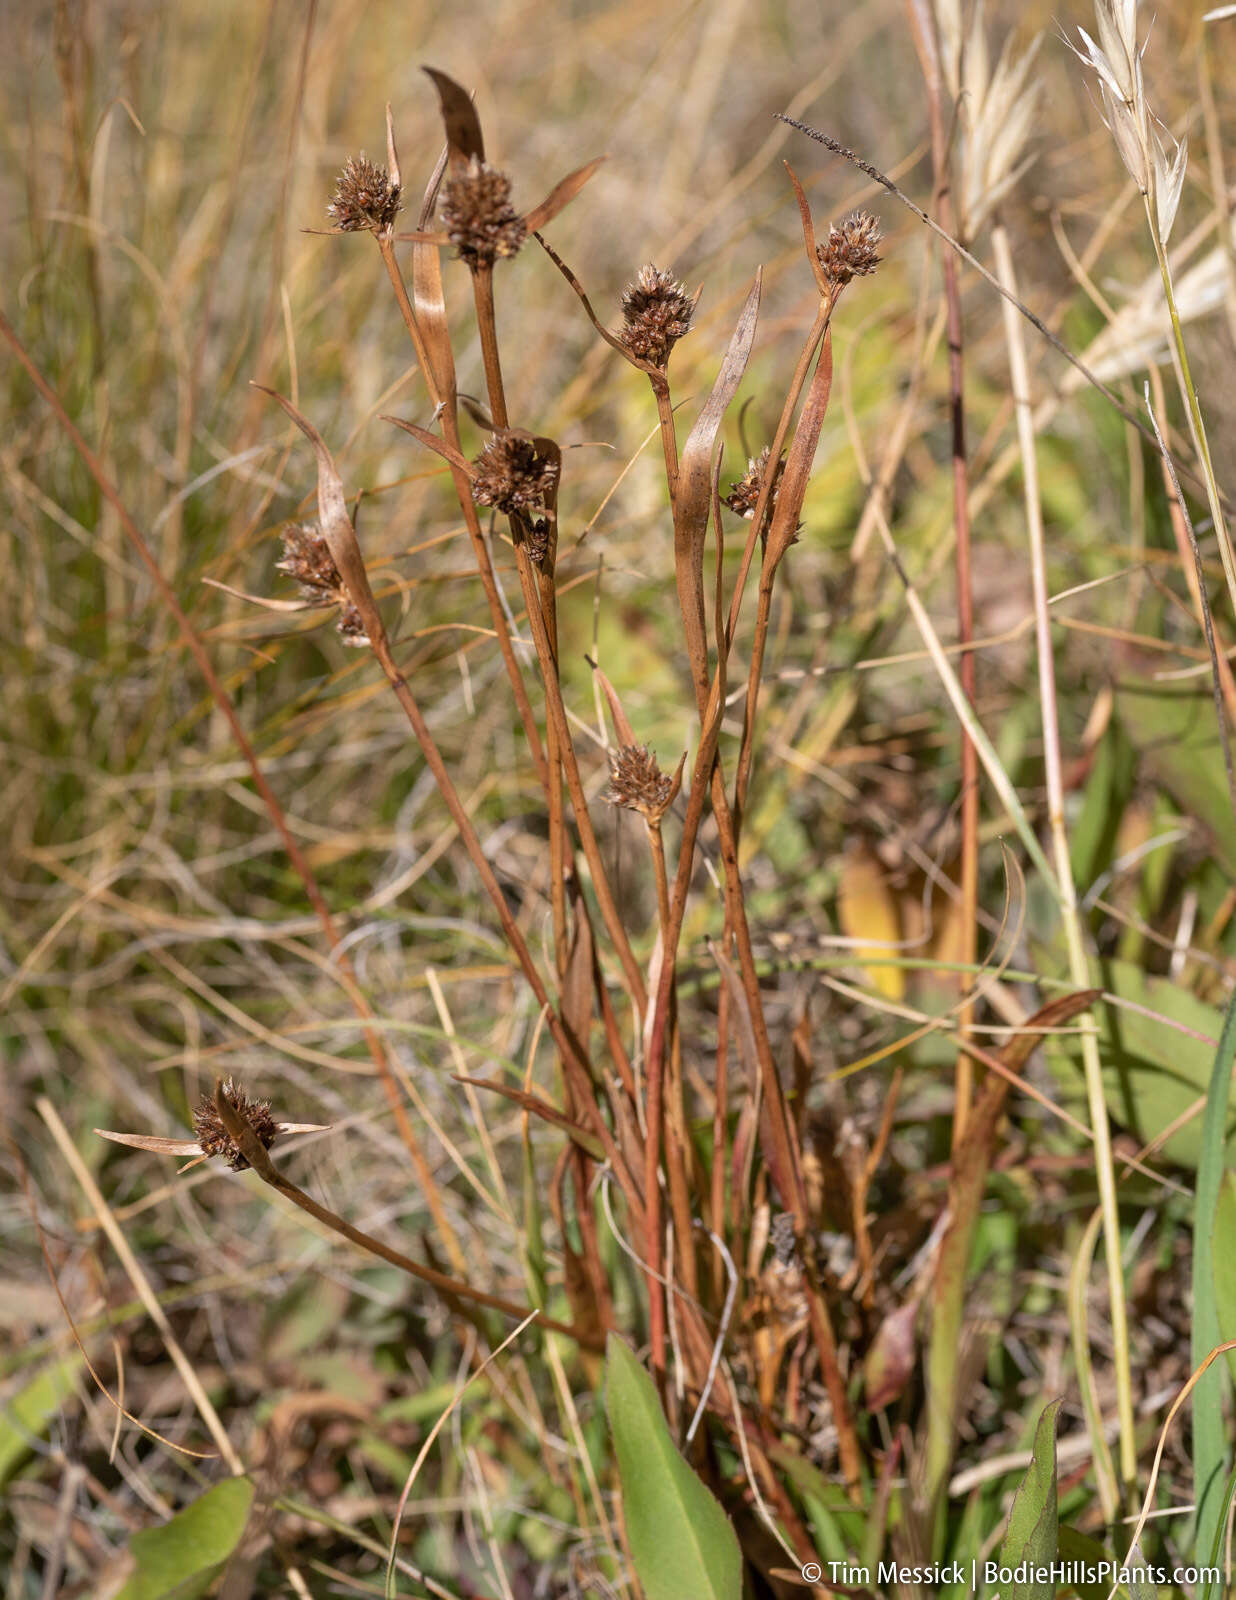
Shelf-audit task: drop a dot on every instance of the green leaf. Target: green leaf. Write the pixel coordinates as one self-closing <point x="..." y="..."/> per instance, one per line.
<point x="1152" y="1073"/>
<point x="1174" y="731"/>
<point x="25" y="1415"/>
<point x="1209" y="1435"/>
<point x="681" y="1541"/>
<point x="1032" y="1535"/>
<point x="1223" y="1258"/>
<point x="180" y="1559"/>
<point x="1091" y="1556"/>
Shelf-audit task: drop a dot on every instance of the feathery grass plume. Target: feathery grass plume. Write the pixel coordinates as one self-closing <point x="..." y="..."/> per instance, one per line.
<point x="638" y="784"/>
<point x="478" y="216"/>
<point x="366" y="197"/>
<point x="1116" y="61"/>
<point x="512" y="475"/>
<point x="656" y="313"/>
<point x="307" y="558"/>
<point x="996" y="113"/>
<point x="850" y="249"/>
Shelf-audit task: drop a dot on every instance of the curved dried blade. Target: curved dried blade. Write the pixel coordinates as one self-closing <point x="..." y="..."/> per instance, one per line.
<point x="694" y="496"/>
<point x="622" y="727"/>
<point x="284" y="1128"/>
<point x="150" y="1141"/>
<point x="264" y="601"/>
<point x="541" y="1108"/>
<point x="335" y="522"/>
<point x="610" y="339"/>
<point x="804" y="211"/>
<point x="438" y="446"/>
<point x="798" y="463"/>
<point x="560" y="195"/>
<point x="459" y="118"/>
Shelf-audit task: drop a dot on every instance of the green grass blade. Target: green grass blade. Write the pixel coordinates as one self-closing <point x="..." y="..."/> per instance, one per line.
<point x="1209" y="1441"/>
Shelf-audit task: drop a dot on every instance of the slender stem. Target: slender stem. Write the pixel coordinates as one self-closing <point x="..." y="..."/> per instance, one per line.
<point x="760" y="514"/>
<point x="669" y="437"/>
<point x="1197" y="425"/>
<point x="450" y="432"/>
<point x="1070" y="917"/>
<point x="483" y="294"/>
<point x="542" y="626"/>
<point x="451" y="1289"/>
<point x="923" y="26"/>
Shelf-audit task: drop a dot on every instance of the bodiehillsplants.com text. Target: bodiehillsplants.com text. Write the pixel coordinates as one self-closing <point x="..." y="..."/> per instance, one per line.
<point x="992" y="1572"/>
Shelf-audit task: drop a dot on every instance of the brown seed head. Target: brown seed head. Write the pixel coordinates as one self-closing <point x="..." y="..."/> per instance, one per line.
<point x="478" y="215"/>
<point x="744" y="495"/>
<point x="214" y="1138"/>
<point x="537" y="542"/>
<point x="511" y="475"/>
<point x="850" y="251"/>
<point x="637" y="782"/>
<point x="351" y="626"/>
<point x="365" y="197"/>
<point x="656" y="313"/>
<point x="307" y="558"/>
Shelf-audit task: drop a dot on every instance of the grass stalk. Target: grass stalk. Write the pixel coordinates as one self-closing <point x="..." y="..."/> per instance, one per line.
<point x="1070" y="915"/>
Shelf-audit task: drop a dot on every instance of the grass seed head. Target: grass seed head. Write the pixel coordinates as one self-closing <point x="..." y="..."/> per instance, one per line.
<point x="479" y="218"/>
<point x="850" y="250"/>
<point x="512" y="475"/>
<point x="365" y="197"/>
<point x="214" y="1138"/>
<point x="656" y="313"/>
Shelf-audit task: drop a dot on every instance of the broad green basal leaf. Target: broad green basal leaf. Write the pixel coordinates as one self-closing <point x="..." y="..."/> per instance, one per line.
<point x="180" y="1559"/>
<point x="681" y="1541"/>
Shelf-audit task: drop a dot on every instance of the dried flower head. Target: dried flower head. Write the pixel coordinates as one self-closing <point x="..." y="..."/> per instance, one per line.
<point x="745" y="493"/>
<point x="537" y="542"/>
<point x="656" y="313"/>
<point x="307" y="558"/>
<point x="351" y="626"/>
<point x="365" y="197"/>
<point x="637" y="782"/>
<point x="850" y="250"/>
<point x="213" y="1137"/>
<point x="478" y="216"/>
<point x="512" y="475"/>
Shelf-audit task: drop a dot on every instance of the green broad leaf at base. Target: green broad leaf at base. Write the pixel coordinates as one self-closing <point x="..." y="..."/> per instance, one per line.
<point x="180" y="1559"/>
<point x="1031" y="1539"/>
<point x="680" y="1539"/>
